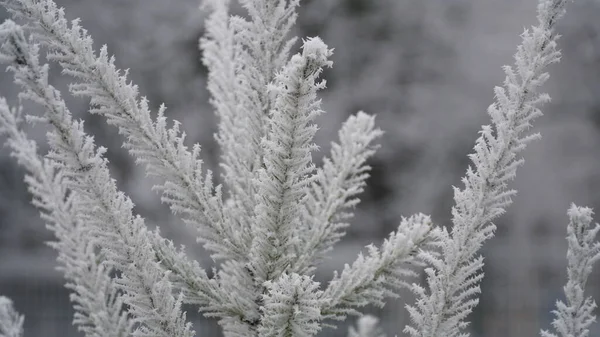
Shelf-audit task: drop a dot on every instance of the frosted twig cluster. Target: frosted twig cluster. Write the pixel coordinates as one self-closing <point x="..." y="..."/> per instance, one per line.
<point x="276" y="215"/>
<point x="281" y="214"/>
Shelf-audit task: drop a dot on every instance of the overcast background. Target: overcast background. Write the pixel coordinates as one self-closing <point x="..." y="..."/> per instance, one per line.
<point x="427" y="69"/>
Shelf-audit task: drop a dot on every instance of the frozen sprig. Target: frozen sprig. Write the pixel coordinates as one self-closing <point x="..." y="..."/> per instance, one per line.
<point x="97" y="302"/>
<point x="106" y="211"/>
<point x="221" y="54"/>
<point x="284" y="180"/>
<point x="574" y="317"/>
<point x="453" y="279"/>
<point x="11" y="323"/>
<point x="263" y="51"/>
<point x="333" y="192"/>
<point x="383" y="272"/>
<point x="243" y="56"/>
<point x="150" y="141"/>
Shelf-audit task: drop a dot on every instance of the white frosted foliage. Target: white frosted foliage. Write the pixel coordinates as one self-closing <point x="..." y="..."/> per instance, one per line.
<point x="281" y="215"/>
<point x="284" y="181"/>
<point x="106" y="212"/>
<point x="97" y="303"/>
<point x="453" y="279"/>
<point x="277" y="215"/>
<point x="383" y="271"/>
<point x="574" y="317"/>
<point x="333" y="192"/>
<point x="11" y="323"/>
<point x="291" y="307"/>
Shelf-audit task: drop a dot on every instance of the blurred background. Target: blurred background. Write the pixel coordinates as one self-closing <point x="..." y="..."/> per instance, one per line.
<point x="426" y="69"/>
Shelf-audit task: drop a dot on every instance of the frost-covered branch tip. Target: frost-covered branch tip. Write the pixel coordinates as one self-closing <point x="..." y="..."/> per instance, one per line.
<point x="453" y="280"/>
<point x="284" y="181"/>
<point x="106" y="211"/>
<point x="574" y="317"/>
<point x="98" y="305"/>
<point x="243" y="56"/>
<point x="151" y="142"/>
<point x="263" y="51"/>
<point x="383" y="272"/>
<point x="335" y="188"/>
<point x="11" y="323"/>
<point x="239" y="132"/>
<point x="187" y="275"/>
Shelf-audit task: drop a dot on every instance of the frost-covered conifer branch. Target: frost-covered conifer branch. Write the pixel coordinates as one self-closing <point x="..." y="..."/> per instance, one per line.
<point x="240" y="155"/>
<point x="98" y="305"/>
<point x="243" y="297"/>
<point x="11" y="323"/>
<point x="187" y="276"/>
<point x="264" y="52"/>
<point x="284" y="181"/>
<point x="383" y="272"/>
<point x="574" y="317"/>
<point x="282" y="184"/>
<point x="243" y="56"/>
<point x="221" y="56"/>
<point x="280" y="217"/>
<point x="454" y="279"/>
<point x="162" y="149"/>
<point x="291" y="307"/>
<point x="107" y="212"/>
<point x="366" y="326"/>
<point x="334" y="190"/>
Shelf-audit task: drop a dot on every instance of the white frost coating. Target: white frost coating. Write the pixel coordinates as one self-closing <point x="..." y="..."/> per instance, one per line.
<point x="574" y="317"/>
<point x="11" y="323"/>
<point x="264" y="51"/>
<point x="317" y="52"/>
